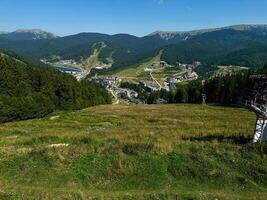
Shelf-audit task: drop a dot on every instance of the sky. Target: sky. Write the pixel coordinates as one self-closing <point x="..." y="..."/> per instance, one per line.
<point x="136" y="17"/>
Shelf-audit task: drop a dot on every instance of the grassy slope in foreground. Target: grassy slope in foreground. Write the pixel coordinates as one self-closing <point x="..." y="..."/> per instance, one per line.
<point x="134" y="152"/>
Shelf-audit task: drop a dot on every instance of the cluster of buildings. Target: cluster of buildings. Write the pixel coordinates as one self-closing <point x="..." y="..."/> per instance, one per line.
<point x="155" y="65"/>
<point x="171" y="82"/>
<point x="129" y="95"/>
<point x="126" y="93"/>
<point x="68" y="62"/>
<point x="160" y="64"/>
<point x="229" y="70"/>
<point x="188" y="66"/>
<point x="147" y="86"/>
<point x="187" y="75"/>
<point x="111" y="83"/>
<point x="103" y="66"/>
<point x="108" y="81"/>
<point x="189" y="70"/>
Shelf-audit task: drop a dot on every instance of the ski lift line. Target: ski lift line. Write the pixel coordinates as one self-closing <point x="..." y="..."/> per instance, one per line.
<point x="258" y="103"/>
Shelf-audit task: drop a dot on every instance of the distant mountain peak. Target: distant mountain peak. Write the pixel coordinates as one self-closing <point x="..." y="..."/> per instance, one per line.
<point x="167" y="35"/>
<point x="244" y="27"/>
<point x="29" y="34"/>
<point x="30" y="31"/>
<point x="3" y="32"/>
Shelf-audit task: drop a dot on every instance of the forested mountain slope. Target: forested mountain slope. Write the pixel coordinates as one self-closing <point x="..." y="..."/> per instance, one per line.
<point x="28" y="92"/>
<point x="242" y="45"/>
<point x="214" y="48"/>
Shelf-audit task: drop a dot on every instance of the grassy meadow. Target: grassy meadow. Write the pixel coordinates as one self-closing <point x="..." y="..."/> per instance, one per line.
<point x="134" y="152"/>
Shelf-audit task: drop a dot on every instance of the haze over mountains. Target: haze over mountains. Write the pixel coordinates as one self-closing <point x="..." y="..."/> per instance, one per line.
<point x="244" y="45"/>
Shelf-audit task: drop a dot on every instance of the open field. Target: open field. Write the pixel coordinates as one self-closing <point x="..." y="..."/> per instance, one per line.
<point x="136" y="73"/>
<point x="134" y="152"/>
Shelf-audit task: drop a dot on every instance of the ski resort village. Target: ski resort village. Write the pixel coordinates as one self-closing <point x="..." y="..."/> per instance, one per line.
<point x="153" y="78"/>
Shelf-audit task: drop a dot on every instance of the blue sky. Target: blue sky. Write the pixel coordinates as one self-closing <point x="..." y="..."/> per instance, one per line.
<point x="137" y="17"/>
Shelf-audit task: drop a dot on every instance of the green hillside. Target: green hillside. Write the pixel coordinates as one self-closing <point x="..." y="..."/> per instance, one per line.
<point x="94" y="59"/>
<point x="137" y="71"/>
<point x="236" y="45"/>
<point x="28" y="91"/>
<point x="134" y="152"/>
<point x="224" y="47"/>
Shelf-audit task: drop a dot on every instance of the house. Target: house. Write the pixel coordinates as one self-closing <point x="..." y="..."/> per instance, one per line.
<point x="161" y="101"/>
<point x="108" y="81"/>
<point x="173" y="79"/>
<point x="133" y="94"/>
<point x="196" y="63"/>
<point x="160" y="64"/>
<point x="147" y="69"/>
<point x="146" y="87"/>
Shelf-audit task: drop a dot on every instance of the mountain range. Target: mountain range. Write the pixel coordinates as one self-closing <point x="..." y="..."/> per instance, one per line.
<point x="244" y="45"/>
<point x="169" y="35"/>
<point x="27" y="34"/>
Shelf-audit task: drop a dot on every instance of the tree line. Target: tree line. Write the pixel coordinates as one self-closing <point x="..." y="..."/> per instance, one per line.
<point x="27" y="91"/>
<point x="222" y="89"/>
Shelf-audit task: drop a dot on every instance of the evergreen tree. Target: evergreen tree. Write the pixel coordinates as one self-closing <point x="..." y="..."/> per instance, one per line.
<point x="27" y="91"/>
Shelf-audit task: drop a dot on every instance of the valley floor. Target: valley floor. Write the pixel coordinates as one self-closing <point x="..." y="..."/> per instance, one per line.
<point x="134" y="152"/>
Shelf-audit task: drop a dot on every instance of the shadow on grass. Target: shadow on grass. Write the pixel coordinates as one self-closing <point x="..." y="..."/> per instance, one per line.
<point x="221" y="138"/>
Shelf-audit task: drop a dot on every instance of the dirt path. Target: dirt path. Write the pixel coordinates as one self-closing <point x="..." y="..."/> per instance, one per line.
<point x="117" y="101"/>
<point x="153" y="78"/>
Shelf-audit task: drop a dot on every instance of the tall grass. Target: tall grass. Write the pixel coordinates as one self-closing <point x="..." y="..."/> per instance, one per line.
<point x="134" y="152"/>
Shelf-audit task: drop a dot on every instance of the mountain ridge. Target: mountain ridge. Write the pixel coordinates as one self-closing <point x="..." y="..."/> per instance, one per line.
<point x="27" y="34"/>
<point x="204" y="45"/>
<point x="240" y="27"/>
